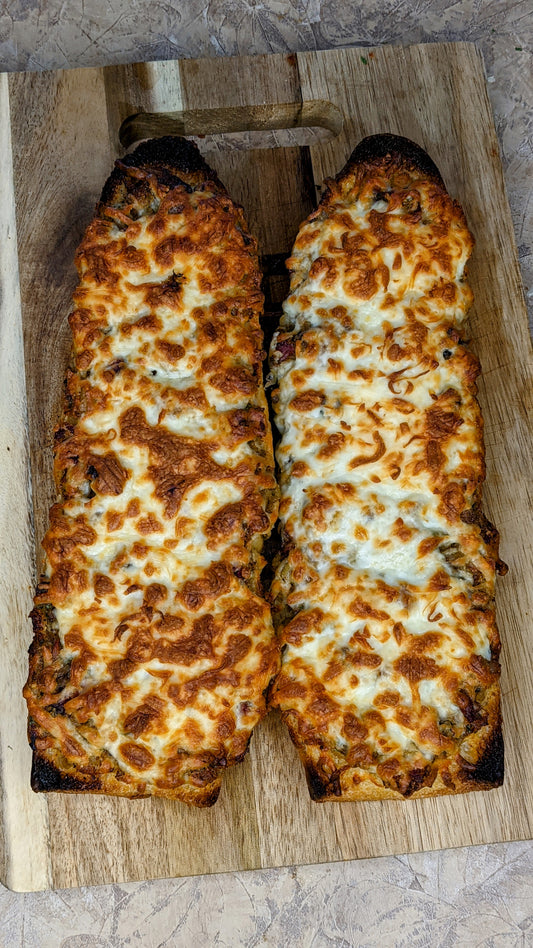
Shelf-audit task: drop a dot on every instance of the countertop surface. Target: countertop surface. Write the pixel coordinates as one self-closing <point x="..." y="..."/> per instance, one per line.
<point x="481" y="896"/>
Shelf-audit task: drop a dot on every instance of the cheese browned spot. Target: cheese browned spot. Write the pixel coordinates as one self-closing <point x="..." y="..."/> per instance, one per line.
<point x="385" y="590"/>
<point x="153" y="645"/>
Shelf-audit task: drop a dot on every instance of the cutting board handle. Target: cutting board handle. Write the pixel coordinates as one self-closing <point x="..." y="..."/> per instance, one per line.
<point x="319" y="114"/>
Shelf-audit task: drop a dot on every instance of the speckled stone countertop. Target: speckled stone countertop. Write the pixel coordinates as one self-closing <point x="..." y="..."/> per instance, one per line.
<point x="481" y="896"/>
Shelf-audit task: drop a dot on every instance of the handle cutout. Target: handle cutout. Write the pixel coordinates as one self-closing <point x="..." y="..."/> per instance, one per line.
<point x="258" y="126"/>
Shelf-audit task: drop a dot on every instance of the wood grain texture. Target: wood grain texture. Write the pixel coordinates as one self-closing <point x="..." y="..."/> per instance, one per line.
<point x="65" y="130"/>
<point x="24" y="818"/>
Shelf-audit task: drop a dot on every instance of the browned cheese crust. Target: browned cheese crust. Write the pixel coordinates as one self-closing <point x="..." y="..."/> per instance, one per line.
<point x="153" y="645"/>
<point x="384" y="594"/>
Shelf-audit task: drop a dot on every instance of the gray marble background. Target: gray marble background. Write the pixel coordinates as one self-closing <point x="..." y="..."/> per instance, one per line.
<point x="480" y="897"/>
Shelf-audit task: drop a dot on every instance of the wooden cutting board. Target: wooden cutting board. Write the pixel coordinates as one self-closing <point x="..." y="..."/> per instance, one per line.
<point x="59" y="134"/>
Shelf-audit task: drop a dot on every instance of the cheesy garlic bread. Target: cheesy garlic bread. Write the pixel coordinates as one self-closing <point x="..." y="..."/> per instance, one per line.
<point x="384" y="593"/>
<point x="153" y="645"/>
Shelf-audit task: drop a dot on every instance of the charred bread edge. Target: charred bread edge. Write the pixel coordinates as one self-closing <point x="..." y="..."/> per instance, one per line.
<point x="392" y="151"/>
<point x="486" y="774"/>
<point x="173" y="160"/>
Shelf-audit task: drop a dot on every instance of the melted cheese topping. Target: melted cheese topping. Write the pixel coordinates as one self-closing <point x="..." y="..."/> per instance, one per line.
<point x="385" y="592"/>
<point x="165" y="468"/>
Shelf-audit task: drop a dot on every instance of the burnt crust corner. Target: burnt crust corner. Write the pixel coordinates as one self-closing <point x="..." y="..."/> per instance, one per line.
<point x="488" y="771"/>
<point x="171" y="160"/>
<point x="320" y="787"/>
<point x="45" y="778"/>
<point x="488" y="532"/>
<point x="388" y="161"/>
<point x="172" y="152"/>
<point x="392" y="151"/>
